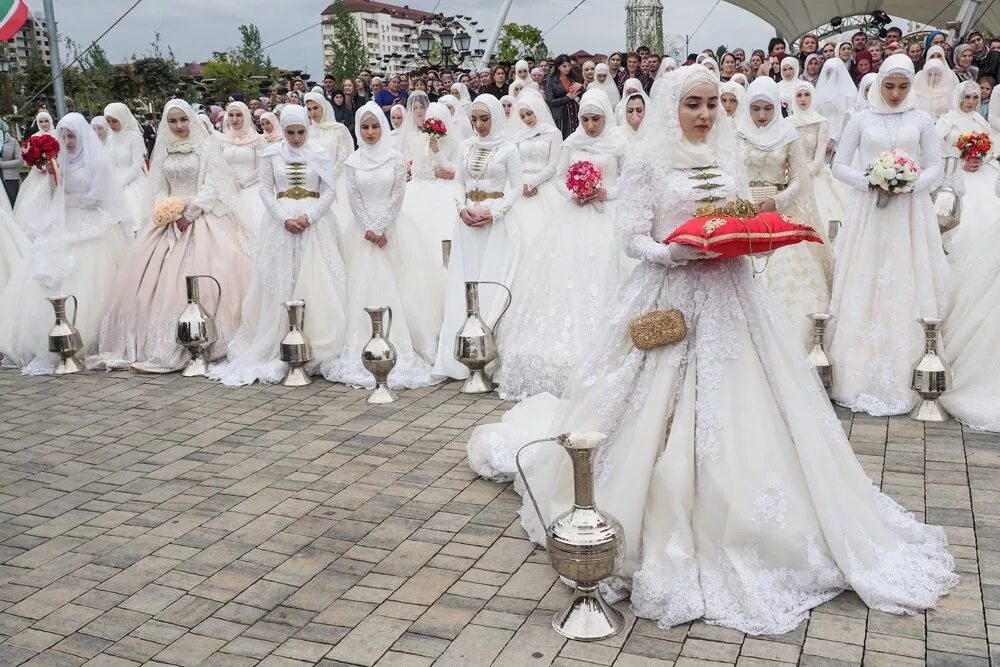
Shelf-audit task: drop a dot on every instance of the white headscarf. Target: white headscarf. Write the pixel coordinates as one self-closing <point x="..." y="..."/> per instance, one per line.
<point x="786" y="87"/>
<point x="660" y="140"/>
<point x="620" y="108"/>
<point x="523" y="73"/>
<point x="778" y="132"/>
<point x="99" y="122"/>
<point x="460" y="116"/>
<point x="898" y="65"/>
<point x="311" y="153"/>
<point x="608" y="142"/>
<point x="463" y="94"/>
<point x="609" y="87"/>
<point x="52" y="123"/>
<point x="934" y="87"/>
<point x="413" y="138"/>
<point x="246" y="135"/>
<point x="836" y="94"/>
<point x="544" y="124"/>
<point x="516" y="86"/>
<point x="90" y="158"/>
<point x="124" y="116"/>
<point x="994" y="110"/>
<point x="498" y="122"/>
<point x="736" y="90"/>
<point x="808" y="116"/>
<point x="864" y="89"/>
<point x="962" y="121"/>
<point x="329" y="117"/>
<point x="274" y="136"/>
<point x="368" y="158"/>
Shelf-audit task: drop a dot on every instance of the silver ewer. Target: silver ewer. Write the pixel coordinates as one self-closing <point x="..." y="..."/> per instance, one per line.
<point x="833" y="229"/>
<point x="930" y="375"/>
<point x="196" y="328"/>
<point x="947" y="200"/>
<point x="585" y="545"/>
<point x="295" y="348"/>
<point x="446" y="252"/>
<point x="475" y="343"/>
<point x="817" y="353"/>
<point x="379" y="355"/>
<point x="64" y="338"/>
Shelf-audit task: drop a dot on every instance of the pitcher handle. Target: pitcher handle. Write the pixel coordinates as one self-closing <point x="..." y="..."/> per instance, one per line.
<point x="510" y="298"/>
<point x="388" y="324"/>
<point x="76" y="308"/>
<point x="520" y="471"/>
<point x="219" y="287"/>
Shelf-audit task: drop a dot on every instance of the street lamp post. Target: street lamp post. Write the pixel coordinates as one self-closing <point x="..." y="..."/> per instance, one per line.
<point x="453" y="46"/>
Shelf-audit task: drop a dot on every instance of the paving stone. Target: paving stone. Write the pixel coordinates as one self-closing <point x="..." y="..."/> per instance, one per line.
<point x="366" y="643"/>
<point x="190" y="650"/>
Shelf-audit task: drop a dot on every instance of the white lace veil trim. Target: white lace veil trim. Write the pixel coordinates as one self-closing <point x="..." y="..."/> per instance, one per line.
<point x="498" y="122"/>
<point x="895" y="66"/>
<point x="963" y="121"/>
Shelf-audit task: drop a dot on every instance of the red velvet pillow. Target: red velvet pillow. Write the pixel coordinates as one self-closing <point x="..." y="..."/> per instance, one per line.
<point x="732" y="236"/>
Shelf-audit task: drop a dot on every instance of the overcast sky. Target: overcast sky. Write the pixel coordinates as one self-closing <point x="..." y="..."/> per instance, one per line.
<point x="194" y="28"/>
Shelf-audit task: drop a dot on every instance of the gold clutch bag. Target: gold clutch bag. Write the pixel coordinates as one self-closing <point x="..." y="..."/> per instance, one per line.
<point x="761" y="190"/>
<point x="658" y="328"/>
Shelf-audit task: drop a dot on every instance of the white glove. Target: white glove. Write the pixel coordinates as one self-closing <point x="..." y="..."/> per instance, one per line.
<point x="681" y="253"/>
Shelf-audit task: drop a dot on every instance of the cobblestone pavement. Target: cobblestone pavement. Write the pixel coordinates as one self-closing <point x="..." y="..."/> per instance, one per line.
<point x="160" y="520"/>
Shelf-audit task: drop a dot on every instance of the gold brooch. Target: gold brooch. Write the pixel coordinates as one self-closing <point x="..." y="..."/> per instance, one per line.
<point x="738" y="208"/>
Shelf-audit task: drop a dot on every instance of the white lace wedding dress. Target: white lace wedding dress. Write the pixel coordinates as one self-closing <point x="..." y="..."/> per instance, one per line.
<point x="244" y="166"/>
<point x="799" y="275"/>
<point x="891" y="268"/>
<point x="739" y="494"/>
<point x="127" y="153"/>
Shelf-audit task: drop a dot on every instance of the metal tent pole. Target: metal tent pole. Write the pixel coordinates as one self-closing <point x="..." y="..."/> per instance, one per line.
<point x="56" y="67"/>
<point x="494" y="36"/>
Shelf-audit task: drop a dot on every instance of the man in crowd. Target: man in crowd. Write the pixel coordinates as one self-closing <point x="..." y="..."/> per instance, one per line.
<point x="859" y="41"/>
<point x="916" y="53"/>
<point x="986" y="60"/>
<point x="329" y="87"/>
<point x="893" y="34"/>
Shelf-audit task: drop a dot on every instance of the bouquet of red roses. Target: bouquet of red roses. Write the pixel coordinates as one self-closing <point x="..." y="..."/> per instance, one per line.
<point x="583" y="179"/>
<point x="39" y="150"/>
<point x="434" y="127"/>
<point x="973" y="145"/>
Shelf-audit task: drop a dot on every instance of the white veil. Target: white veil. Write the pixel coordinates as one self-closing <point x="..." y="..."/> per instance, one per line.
<point x="934" y="87"/>
<point x="609" y="87"/>
<point x="835" y="95"/>
<point x="533" y="100"/>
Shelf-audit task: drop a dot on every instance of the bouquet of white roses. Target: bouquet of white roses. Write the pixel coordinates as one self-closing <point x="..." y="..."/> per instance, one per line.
<point x="893" y="171"/>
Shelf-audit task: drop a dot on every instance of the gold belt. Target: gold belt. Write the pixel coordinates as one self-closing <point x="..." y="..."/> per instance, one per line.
<point x="298" y="192"/>
<point x="478" y="195"/>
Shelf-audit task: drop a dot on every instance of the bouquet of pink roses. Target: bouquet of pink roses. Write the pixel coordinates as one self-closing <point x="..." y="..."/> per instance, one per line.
<point x="583" y="179"/>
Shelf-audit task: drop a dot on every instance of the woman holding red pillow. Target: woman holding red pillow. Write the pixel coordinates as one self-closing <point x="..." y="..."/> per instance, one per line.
<point x="741" y="500"/>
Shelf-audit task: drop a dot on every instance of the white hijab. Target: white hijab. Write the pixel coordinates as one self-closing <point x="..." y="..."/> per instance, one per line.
<point x="498" y="122"/>
<point x="99" y="122"/>
<point x="736" y="90"/>
<point x="246" y="135"/>
<point x="311" y="153"/>
<point x="808" y="116"/>
<point x="124" y="116"/>
<point x="934" y="87"/>
<point x="620" y="108"/>
<point x="608" y="142"/>
<point x="962" y="121"/>
<point x="778" y="132"/>
<point x="786" y="87"/>
<point x="895" y="66"/>
<point x="329" y="117"/>
<point x="366" y="157"/>
<point x="523" y="73"/>
<point x="836" y="93"/>
<point x="609" y="87"/>
<point x="460" y="117"/>
<point x="864" y="88"/>
<point x="90" y="158"/>
<point x="52" y="123"/>
<point x="544" y="124"/>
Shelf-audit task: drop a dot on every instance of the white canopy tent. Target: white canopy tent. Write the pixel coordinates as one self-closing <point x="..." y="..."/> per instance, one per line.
<point x="792" y="18"/>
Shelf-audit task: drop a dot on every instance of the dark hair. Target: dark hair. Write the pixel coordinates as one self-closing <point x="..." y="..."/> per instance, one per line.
<point x="973" y="32"/>
<point x="995" y="40"/>
<point x="501" y="68"/>
<point x="329" y="77"/>
<point x="727" y="53"/>
<point x="773" y="43"/>
<point x="861" y="34"/>
<point x="574" y="74"/>
<point x="988" y="79"/>
<point x="642" y="48"/>
<point x="896" y="28"/>
<point x="758" y="52"/>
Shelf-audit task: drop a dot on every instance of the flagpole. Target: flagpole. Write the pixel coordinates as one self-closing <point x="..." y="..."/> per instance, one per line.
<point x="57" y="81"/>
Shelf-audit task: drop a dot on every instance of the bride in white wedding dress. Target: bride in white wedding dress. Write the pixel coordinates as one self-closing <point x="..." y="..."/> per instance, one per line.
<point x="741" y="500"/>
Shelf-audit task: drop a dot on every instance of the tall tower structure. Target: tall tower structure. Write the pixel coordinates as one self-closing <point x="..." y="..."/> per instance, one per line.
<point x="644" y="24"/>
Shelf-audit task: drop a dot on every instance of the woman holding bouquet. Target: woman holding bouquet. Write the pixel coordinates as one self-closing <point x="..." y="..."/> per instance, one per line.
<point x="297" y="258"/>
<point x="35" y="193"/>
<point x="891" y="267"/>
<point x="740" y="498"/>
<point x="488" y="175"/>
<point x="241" y="148"/>
<point x="780" y="181"/>
<point x="76" y="247"/>
<point x="194" y="233"/>
<point x="433" y="158"/>
<point x="390" y="262"/>
<point x="978" y="176"/>
<point x="127" y="151"/>
<point x="562" y="287"/>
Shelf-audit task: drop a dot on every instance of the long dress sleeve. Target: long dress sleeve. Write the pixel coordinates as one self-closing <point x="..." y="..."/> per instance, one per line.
<point x="932" y="168"/>
<point x="845" y="153"/>
<point x="635" y="213"/>
<point x="819" y="155"/>
<point x="136" y="158"/>
<point x="460" y="180"/>
<point x="565" y="155"/>
<point x="362" y="216"/>
<point x="268" y="189"/>
<point x="613" y="190"/>
<point x="555" y="94"/>
<point x="513" y="166"/>
<point x="327" y="195"/>
<point x="798" y="174"/>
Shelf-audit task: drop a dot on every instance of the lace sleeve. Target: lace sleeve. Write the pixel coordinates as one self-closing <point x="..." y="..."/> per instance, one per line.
<point x="549" y="170"/>
<point x="362" y="216"/>
<point x="798" y="175"/>
<point x="515" y="183"/>
<point x="267" y="191"/>
<point x="614" y="190"/>
<point x="460" y="179"/>
<point x="441" y="159"/>
<point x="845" y="153"/>
<point x="561" y="170"/>
<point x="136" y="158"/>
<point x="930" y="156"/>
<point x="345" y="144"/>
<point x="327" y="195"/>
<point x="635" y="213"/>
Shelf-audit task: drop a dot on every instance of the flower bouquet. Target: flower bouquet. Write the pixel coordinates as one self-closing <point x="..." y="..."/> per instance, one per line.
<point x="892" y="172"/>
<point x="434" y="127"/>
<point x="40" y="151"/>
<point x="974" y="145"/>
<point x="583" y="180"/>
<point x="168" y="211"/>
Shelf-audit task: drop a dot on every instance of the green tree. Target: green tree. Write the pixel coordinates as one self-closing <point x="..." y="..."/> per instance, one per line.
<point x="250" y="53"/>
<point x="349" y="53"/>
<point x="157" y="79"/>
<point x="520" y="39"/>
